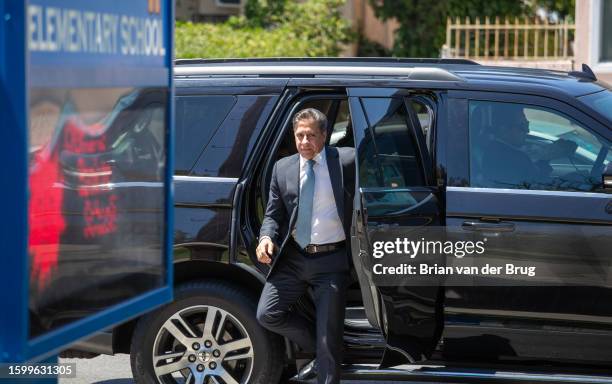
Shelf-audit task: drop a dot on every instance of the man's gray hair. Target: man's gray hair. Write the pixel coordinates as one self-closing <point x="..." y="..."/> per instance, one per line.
<point x="311" y="114"/>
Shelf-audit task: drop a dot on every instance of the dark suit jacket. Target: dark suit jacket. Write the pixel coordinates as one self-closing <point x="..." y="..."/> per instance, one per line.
<point x="504" y="166"/>
<point x="281" y="211"/>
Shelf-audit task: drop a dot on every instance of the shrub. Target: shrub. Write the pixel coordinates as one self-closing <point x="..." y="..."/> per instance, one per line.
<point x="312" y="28"/>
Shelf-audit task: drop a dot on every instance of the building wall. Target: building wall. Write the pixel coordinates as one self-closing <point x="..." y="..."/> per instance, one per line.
<point x="362" y="18"/>
<point x="205" y="10"/>
<point x="184" y="10"/>
<point x="374" y="29"/>
<point x="583" y="31"/>
<point x="588" y="34"/>
<point x="382" y="32"/>
<point x="211" y="7"/>
<point x="555" y="65"/>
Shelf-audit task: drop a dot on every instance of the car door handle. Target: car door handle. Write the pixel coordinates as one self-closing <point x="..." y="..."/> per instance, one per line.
<point x="609" y="207"/>
<point x="483" y="226"/>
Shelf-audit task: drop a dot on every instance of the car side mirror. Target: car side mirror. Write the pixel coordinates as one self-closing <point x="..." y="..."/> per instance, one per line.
<point x="606" y="178"/>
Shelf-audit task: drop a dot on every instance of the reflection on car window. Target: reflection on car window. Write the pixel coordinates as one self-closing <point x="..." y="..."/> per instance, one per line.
<point x="341" y="133"/>
<point x="95" y="200"/>
<point x="600" y="101"/>
<point x="523" y="147"/>
<point x="197" y="119"/>
<point x="138" y="153"/>
<point x="388" y="157"/>
<point x="424" y="115"/>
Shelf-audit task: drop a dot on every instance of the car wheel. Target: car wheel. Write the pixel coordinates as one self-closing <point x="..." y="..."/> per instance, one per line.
<point x="207" y="335"/>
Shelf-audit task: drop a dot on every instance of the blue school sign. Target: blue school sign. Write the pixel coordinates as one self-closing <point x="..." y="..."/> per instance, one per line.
<point x="86" y="152"/>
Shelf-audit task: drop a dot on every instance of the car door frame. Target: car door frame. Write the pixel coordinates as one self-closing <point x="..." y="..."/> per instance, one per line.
<point x="458" y="204"/>
<point x="399" y="348"/>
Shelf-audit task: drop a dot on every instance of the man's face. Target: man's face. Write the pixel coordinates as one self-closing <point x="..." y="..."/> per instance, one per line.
<point x="515" y="131"/>
<point x="309" y="140"/>
<point x="519" y="132"/>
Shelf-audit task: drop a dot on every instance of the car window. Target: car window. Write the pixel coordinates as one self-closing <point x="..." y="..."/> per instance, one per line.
<point x="388" y="157"/>
<point x="341" y="133"/>
<point x="424" y="114"/>
<point x="231" y="145"/>
<point x="526" y="147"/>
<point x="138" y="152"/>
<point x="600" y="101"/>
<point x="197" y="119"/>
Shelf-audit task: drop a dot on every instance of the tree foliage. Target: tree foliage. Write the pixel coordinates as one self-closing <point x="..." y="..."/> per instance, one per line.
<point x="563" y="8"/>
<point x="271" y="28"/>
<point x="482" y="8"/>
<point x="264" y="13"/>
<point x="423" y="22"/>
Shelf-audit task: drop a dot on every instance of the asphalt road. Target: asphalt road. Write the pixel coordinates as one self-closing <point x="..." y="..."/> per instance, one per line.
<point x="116" y="370"/>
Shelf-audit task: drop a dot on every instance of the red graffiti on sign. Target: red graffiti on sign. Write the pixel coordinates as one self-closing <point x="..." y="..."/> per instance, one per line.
<point x="94" y="177"/>
<point x="45" y="214"/>
<point x="90" y="175"/>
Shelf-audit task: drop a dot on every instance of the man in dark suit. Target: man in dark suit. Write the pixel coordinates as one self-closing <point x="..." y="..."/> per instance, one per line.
<point x="507" y="162"/>
<point x="305" y="236"/>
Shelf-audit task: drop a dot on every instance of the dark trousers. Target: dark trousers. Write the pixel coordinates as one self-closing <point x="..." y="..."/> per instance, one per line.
<point x="291" y="277"/>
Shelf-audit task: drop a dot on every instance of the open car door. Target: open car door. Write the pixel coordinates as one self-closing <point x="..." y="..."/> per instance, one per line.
<point x="394" y="199"/>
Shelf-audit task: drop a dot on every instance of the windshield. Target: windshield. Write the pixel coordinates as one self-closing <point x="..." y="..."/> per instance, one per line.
<point x="600" y="101"/>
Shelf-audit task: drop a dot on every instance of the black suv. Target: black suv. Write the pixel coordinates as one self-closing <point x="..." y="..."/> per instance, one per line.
<point x="427" y="139"/>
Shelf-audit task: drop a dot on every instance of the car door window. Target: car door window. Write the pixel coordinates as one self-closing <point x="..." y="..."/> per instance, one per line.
<point x="341" y="132"/>
<point x="521" y="146"/>
<point x="424" y="114"/>
<point x="388" y="157"/>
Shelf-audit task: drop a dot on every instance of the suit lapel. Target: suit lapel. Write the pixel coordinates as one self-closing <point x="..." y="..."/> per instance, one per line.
<point x="292" y="180"/>
<point x="335" y="176"/>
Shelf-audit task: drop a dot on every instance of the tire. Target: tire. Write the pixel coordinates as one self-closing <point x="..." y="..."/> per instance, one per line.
<point x="259" y="359"/>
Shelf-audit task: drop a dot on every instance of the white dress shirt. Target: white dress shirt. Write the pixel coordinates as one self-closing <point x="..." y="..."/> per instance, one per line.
<point x="326" y="225"/>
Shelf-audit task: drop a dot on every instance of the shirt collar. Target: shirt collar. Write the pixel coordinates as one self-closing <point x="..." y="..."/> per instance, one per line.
<point x="319" y="158"/>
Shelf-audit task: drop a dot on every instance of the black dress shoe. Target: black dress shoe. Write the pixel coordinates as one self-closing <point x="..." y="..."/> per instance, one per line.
<point x="308" y="371"/>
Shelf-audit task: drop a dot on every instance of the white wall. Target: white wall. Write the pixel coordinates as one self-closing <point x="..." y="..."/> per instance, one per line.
<point x="589" y="15"/>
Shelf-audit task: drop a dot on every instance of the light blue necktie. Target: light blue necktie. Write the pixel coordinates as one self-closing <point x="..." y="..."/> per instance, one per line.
<point x="303" y="227"/>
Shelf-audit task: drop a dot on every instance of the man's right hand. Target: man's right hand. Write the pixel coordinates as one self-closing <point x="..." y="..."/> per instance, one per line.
<point x="558" y="149"/>
<point x="264" y="251"/>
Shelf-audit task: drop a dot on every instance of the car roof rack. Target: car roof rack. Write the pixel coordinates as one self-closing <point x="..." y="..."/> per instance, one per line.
<point x="405" y="68"/>
<point x="586" y="73"/>
<point x="422" y="73"/>
<point x="321" y="60"/>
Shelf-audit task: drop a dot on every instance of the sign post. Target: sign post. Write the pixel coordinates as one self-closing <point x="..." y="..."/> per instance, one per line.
<point x="86" y="150"/>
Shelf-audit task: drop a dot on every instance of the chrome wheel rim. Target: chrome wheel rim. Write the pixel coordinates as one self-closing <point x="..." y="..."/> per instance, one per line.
<point x="202" y="344"/>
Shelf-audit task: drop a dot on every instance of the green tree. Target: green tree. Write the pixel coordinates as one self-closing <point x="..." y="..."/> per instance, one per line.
<point x="423" y="23"/>
<point x="419" y="31"/>
<point x="564" y="8"/>
<point x="264" y="13"/>
<point x="482" y="8"/>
